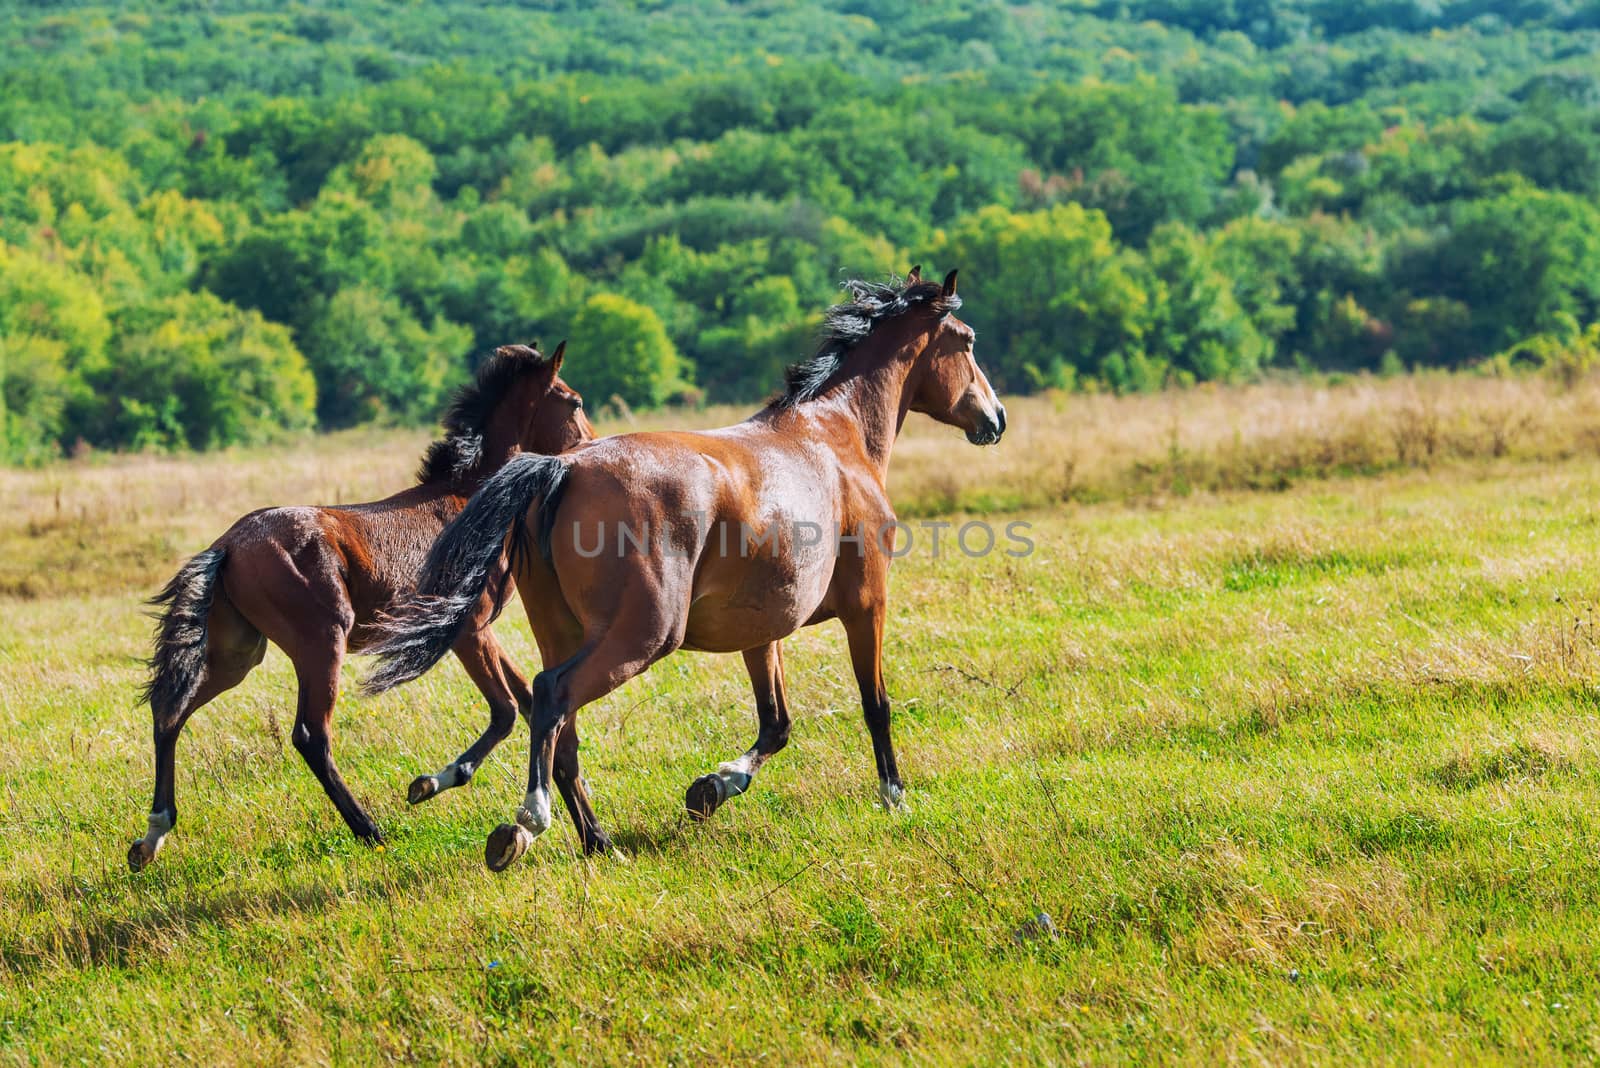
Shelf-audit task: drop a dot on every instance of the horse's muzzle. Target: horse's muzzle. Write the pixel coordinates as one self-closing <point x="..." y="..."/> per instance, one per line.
<point x="991" y="430"/>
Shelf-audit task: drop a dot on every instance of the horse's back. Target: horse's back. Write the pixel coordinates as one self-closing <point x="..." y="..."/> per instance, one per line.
<point x="742" y="468"/>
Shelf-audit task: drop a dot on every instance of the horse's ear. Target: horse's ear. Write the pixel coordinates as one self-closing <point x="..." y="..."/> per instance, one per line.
<point x="557" y="356"/>
<point x="950" y="285"/>
<point x="914" y="276"/>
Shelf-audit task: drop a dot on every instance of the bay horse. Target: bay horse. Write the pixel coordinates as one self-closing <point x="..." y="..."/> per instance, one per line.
<point x="814" y="460"/>
<point x="313" y="581"/>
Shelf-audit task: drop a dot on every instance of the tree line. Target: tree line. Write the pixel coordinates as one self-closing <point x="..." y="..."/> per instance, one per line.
<point x="222" y="221"/>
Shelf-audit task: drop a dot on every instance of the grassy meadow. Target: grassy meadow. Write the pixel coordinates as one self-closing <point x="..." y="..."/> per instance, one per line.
<point x="1289" y="724"/>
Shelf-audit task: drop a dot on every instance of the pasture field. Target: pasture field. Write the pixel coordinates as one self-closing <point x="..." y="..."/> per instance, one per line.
<point x="1290" y="724"/>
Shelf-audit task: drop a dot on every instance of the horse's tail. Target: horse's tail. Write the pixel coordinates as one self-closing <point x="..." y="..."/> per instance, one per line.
<point x="179" y="658"/>
<point x="427" y="623"/>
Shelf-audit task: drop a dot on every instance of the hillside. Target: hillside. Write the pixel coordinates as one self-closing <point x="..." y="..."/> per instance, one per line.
<point x="221" y="222"/>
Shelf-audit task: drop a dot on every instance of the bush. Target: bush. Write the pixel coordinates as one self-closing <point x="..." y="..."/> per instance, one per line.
<point x="1567" y="355"/>
<point x="194" y="372"/>
<point x="53" y="334"/>
<point x="625" y="352"/>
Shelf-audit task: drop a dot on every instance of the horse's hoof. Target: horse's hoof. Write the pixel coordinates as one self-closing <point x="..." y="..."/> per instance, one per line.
<point x="506" y="845"/>
<point x="139" y="856"/>
<point x="422" y="788"/>
<point x="598" y="842"/>
<point x="703" y="796"/>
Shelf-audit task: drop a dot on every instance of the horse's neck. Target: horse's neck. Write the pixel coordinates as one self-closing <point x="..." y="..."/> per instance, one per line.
<point x="492" y="456"/>
<point x="876" y="402"/>
<point x="500" y="443"/>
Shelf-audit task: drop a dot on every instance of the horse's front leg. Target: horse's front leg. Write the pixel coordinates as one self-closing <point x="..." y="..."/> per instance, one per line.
<point x="864" y="631"/>
<point x="705" y="794"/>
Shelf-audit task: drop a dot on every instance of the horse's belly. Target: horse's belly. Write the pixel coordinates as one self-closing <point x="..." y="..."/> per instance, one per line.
<point x="753" y="603"/>
<point x="731" y="632"/>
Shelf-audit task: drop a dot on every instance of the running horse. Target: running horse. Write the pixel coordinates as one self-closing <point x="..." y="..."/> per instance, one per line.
<point x="725" y="541"/>
<point x="313" y="581"/>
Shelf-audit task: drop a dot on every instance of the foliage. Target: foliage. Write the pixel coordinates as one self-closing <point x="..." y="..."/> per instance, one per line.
<point x="53" y="338"/>
<point x="629" y="355"/>
<point x="1200" y="329"/>
<point x="191" y="371"/>
<point x="1052" y="298"/>
<point x="1567" y="354"/>
<point x="1517" y="263"/>
<point x="376" y="362"/>
<point x="1138" y="194"/>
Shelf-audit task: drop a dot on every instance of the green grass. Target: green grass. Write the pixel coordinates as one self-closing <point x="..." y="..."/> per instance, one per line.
<point x="1298" y="776"/>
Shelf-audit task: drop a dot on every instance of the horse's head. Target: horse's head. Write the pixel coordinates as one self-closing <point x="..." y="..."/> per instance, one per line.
<point x="548" y="412"/>
<point x="517" y="403"/>
<point x="947" y="382"/>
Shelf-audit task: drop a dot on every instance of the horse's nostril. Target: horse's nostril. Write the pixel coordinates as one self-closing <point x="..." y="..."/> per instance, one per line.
<point x="1002" y="418"/>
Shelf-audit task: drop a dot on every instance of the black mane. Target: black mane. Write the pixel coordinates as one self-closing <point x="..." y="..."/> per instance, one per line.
<point x="850" y="321"/>
<point x="465" y="421"/>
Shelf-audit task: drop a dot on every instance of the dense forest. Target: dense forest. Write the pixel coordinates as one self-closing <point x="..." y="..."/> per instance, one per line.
<point x="220" y="220"/>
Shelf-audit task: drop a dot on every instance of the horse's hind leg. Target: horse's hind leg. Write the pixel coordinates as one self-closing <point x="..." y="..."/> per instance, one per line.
<point x="233" y="648"/>
<point x="575" y="791"/>
<point x="565" y="766"/>
<point x="603" y="664"/>
<point x="505" y="689"/>
<point x="316" y="664"/>
<point x="705" y="794"/>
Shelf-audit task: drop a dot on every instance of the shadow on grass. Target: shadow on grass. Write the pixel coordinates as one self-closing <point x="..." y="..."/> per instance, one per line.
<point x="120" y="919"/>
<point x="659" y="841"/>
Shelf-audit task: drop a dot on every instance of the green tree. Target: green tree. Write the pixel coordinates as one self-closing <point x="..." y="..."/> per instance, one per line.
<point x="497" y="229"/>
<point x="285" y="266"/>
<point x="1259" y="256"/>
<point x="1316" y="128"/>
<point x="1387" y="179"/>
<point x="392" y="172"/>
<point x="1052" y="296"/>
<point x="53" y="337"/>
<point x="1554" y="143"/>
<point x="627" y="353"/>
<point x="1132" y="151"/>
<point x="519" y="299"/>
<point x="1341" y="271"/>
<point x="1523" y="262"/>
<point x="1199" y="327"/>
<point x="765" y="330"/>
<point x="373" y="360"/>
<point x="194" y="372"/>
